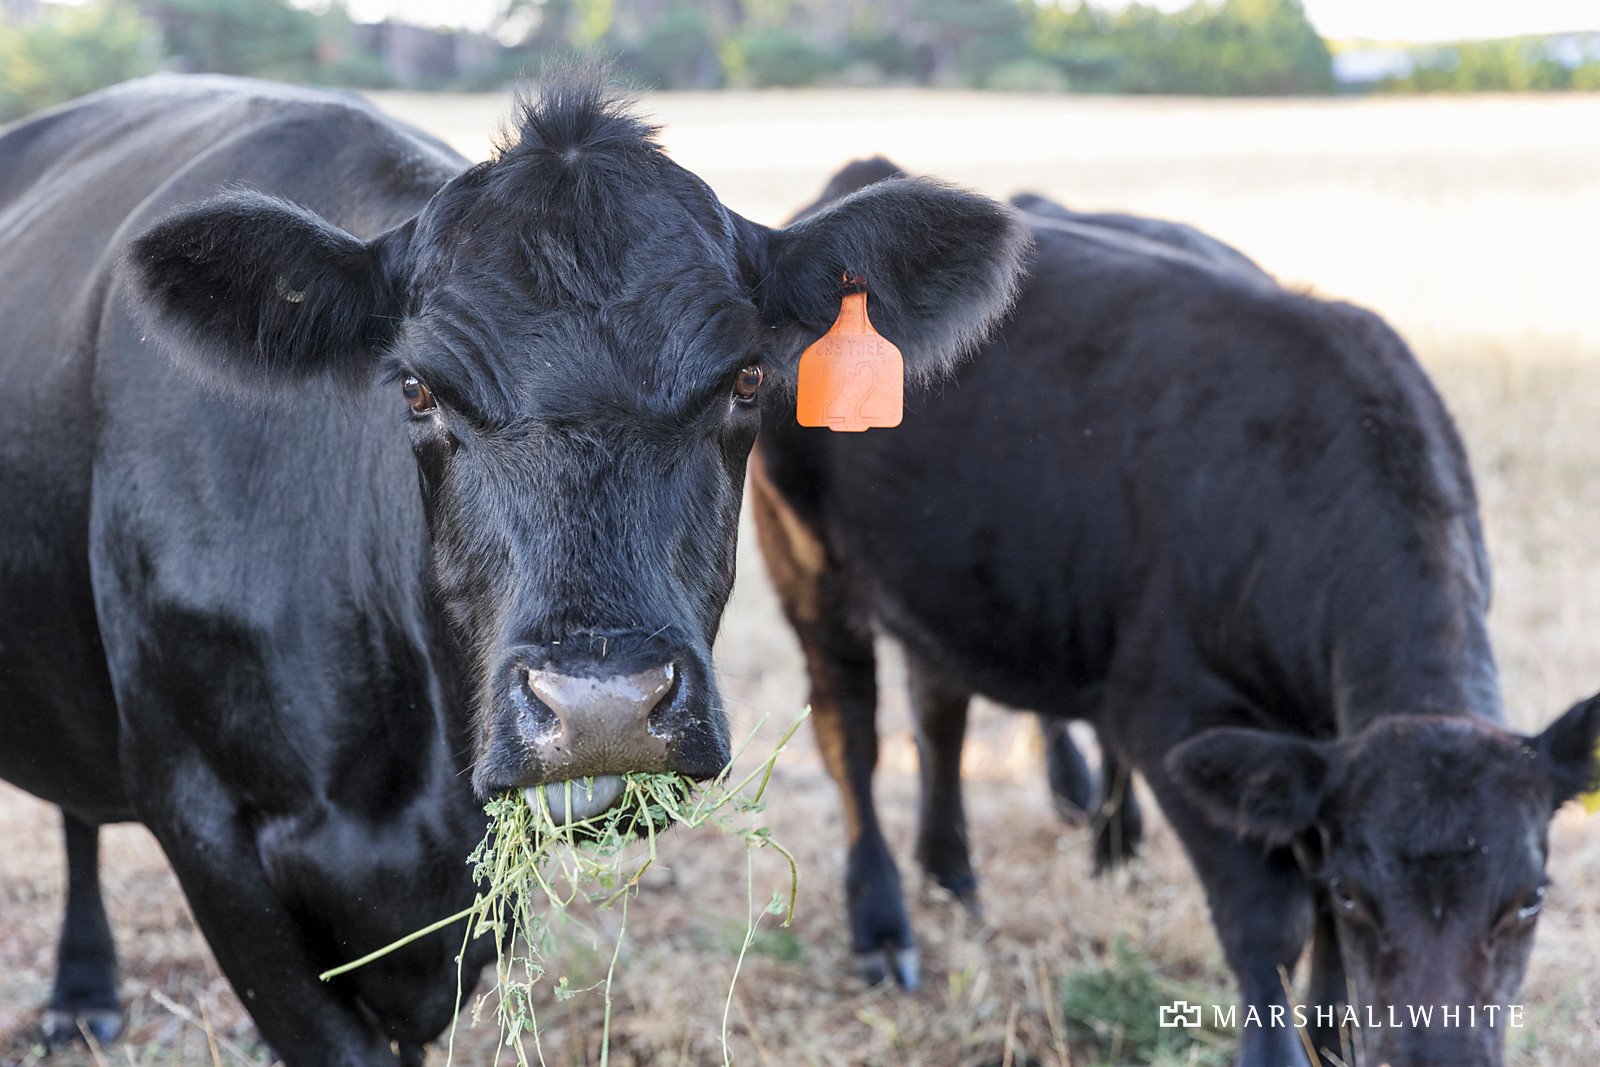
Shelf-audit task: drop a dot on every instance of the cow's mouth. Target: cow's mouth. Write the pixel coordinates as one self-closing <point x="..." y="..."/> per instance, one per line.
<point x="577" y="799"/>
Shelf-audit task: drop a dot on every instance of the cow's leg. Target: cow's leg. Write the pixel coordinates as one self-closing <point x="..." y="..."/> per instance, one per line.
<point x="941" y="716"/>
<point x="844" y="701"/>
<point x="843" y="714"/>
<point x="85" y="993"/>
<point x="259" y="945"/>
<point x="1071" y="780"/>
<point x="1262" y="910"/>
<point x="1118" y="823"/>
<point x="1327" y="990"/>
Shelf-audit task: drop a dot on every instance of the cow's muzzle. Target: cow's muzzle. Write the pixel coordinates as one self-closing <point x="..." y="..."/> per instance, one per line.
<point x="569" y="727"/>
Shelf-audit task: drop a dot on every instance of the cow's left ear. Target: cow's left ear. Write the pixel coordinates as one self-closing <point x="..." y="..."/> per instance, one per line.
<point x="261" y="294"/>
<point x="940" y="266"/>
<point x="1258" y="784"/>
<point x="1567" y="750"/>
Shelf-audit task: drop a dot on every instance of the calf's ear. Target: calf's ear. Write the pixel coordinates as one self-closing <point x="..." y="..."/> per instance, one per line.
<point x="1567" y="750"/>
<point x="259" y="293"/>
<point x="940" y="266"/>
<point x="1255" y="783"/>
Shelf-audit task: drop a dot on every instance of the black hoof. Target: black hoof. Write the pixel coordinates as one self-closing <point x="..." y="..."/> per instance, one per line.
<point x="880" y="928"/>
<point x="878" y="966"/>
<point x="963" y="887"/>
<point x="412" y="1055"/>
<point x="1117" y="837"/>
<point x="63" y="1027"/>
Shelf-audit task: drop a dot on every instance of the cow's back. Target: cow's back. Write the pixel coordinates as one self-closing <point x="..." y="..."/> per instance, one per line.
<point x="74" y="182"/>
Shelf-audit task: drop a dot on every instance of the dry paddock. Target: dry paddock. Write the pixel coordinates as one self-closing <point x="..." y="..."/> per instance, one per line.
<point x="1474" y="225"/>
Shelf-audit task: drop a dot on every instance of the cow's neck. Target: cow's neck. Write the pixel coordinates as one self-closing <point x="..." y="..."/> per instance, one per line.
<point x="425" y="665"/>
<point x="1423" y="659"/>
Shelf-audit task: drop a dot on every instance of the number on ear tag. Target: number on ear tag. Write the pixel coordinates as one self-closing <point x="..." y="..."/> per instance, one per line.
<point x="852" y="378"/>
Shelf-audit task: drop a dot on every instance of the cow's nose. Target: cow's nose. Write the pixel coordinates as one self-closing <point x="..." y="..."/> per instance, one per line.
<point x="597" y="727"/>
<point x="564" y="714"/>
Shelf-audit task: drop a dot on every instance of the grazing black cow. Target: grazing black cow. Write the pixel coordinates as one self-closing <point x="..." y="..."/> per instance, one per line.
<point x="1234" y="529"/>
<point x="1114" y="813"/>
<point x="348" y="485"/>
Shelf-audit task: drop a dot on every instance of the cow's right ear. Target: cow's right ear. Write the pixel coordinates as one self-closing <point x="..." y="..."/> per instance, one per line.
<point x="259" y="293"/>
<point x="1258" y="784"/>
<point x="940" y="267"/>
<point x="1567" y="749"/>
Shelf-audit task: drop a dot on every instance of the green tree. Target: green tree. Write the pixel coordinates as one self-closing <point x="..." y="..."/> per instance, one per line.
<point x="775" y="57"/>
<point x="69" y="51"/>
<point x="268" y="38"/>
<point x="679" y="51"/>
<point x="967" y="39"/>
<point x="1213" y="48"/>
<point x="1516" y="64"/>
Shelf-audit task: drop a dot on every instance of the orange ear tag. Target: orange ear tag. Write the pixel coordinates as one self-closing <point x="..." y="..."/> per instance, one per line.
<point x="851" y="378"/>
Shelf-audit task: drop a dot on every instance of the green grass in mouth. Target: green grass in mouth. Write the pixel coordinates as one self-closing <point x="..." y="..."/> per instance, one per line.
<point x="535" y="869"/>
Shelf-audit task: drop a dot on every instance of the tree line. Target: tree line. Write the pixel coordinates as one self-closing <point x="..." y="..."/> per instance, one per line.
<point x="51" y="51"/>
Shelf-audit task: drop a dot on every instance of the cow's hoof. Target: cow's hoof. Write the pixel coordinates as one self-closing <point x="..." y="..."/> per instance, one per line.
<point x="878" y="966"/>
<point x="963" y="887"/>
<point x="62" y="1027"/>
<point x="1117" y="837"/>
<point x="412" y="1055"/>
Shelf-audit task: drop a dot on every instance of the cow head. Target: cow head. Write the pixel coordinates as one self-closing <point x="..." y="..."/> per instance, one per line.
<point x="574" y="336"/>
<point x="1426" y="840"/>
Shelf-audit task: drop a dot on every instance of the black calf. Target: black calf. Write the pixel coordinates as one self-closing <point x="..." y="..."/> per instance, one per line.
<point x="1234" y="529"/>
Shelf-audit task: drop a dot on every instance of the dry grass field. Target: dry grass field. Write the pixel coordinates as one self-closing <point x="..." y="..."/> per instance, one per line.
<point x="1473" y="225"/>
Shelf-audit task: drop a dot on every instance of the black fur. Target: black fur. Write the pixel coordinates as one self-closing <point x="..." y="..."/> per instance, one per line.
<point x="1234" y="528"/>
<point x="1568" y="748"/>
<point x="1165" y="237"/>
<point x="262" y="293"/>
<point x="300" y="640"/>
<point x="1255" y="783"/>
<point x="910" y="240"/>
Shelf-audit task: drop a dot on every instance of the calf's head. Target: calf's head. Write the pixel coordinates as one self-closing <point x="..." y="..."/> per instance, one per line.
<point x="573" y="335"/>
<point x="1425" y="839"/>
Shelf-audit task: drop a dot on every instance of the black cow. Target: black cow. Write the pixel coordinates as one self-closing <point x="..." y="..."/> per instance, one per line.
<point x="1233" y="528"/>
<point x="348" y="485"/>
<point x="1109" y="803"/>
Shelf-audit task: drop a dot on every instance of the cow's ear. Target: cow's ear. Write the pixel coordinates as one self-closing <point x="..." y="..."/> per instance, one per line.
<point x="1567" y="750"/>
<point x="1258" y="784"/>
<point x="940" y="267"/>
<point x="262" y="294"/>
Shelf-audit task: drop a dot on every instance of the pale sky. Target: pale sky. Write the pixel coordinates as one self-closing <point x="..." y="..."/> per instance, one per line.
<point x="1405" y="20"/>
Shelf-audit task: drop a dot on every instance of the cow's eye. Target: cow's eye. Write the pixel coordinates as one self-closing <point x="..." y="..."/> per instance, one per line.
<point x="1521" y="914"/>
<point x="748" y="383"/>
<point x="419" y="396"/>
<point x="1343" y="899"/>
